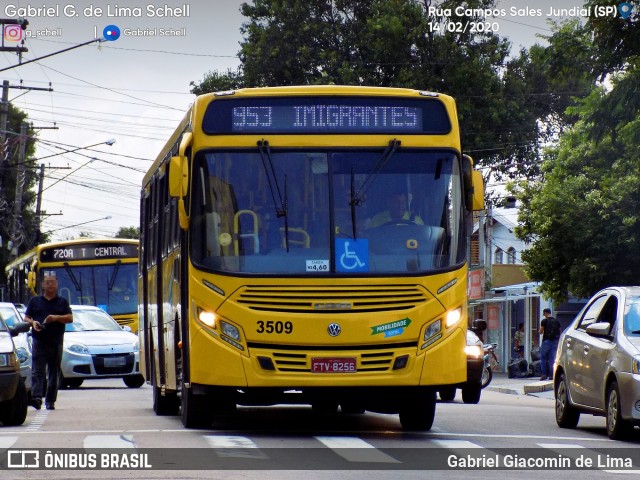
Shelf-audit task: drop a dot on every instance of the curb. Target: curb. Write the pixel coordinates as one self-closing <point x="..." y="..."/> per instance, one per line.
<point x="544" y="386"/>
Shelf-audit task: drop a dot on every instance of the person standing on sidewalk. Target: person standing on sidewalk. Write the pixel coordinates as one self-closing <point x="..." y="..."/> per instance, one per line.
<point x="47" y="313"/>
<point x="550" y="330"/>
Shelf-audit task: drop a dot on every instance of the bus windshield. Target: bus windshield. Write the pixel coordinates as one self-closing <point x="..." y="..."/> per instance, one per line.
<point x="112" y="287"/>
<point x="331" y="212"/>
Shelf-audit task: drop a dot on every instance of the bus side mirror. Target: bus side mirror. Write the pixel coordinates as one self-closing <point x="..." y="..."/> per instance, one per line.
<point x="179" y="168"/>
<point x="31" y="281"/>
<point x="473" y="185"/>
<point x="478" y="191"/>
<point x="178" y="177"/>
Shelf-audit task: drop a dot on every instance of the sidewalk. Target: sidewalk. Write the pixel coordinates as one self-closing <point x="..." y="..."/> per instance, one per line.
<point x="518" y="386"/>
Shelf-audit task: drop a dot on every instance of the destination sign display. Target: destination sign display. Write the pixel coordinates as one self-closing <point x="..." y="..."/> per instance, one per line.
<point x="89" y="251"/>
<point x="348" y="115"/>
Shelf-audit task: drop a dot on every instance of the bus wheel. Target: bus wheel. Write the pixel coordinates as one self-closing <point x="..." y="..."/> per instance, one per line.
<point x="418" y="413"/>
<point x="133" y="381"/>
<point x="167" y="404"/>
<point x="195" y="413"/>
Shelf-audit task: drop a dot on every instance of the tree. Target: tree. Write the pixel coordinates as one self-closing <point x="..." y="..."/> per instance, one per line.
<point x="9" y="163"/>
<point x="583" y="220"/>
<point x="128" y="232"/>
<point x="400" y="43"/>
<point x="581" y="216"/>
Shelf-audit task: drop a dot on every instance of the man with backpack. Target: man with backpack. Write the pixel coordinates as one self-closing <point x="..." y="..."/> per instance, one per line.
<point x="550" y="330"/>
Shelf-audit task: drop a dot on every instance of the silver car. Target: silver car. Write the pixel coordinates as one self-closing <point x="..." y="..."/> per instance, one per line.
<point x="597" y="367"/>
<point x="95" y="346"/>
<point x="22" y="341"/>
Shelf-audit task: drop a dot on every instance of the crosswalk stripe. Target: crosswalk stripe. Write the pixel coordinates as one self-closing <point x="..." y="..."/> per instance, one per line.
<point x="456" y="444"/>
<point x="556" y="446"/>
<point x="7" y="442"/>
<point x="234" y="446"/>
<point x="355" y="449"/>
<point x="109" y="441"/>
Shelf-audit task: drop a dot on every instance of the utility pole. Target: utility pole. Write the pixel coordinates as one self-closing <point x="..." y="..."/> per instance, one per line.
<point x="4" y="114"/>
<point x="16" y="236"/>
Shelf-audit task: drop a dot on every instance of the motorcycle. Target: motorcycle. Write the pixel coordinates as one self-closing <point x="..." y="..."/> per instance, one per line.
<point x="490" y="359"/>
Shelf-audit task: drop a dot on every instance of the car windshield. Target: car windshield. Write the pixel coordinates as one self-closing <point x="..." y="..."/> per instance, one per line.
<point x="632" y="316"/>
<point x="9" y="315"/>
<point x="382" y="211"/>
<point x="91" y="320"/>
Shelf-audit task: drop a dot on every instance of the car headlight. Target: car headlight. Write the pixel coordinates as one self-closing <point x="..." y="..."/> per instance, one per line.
<point x="8" y="359"/>
<point x="474" y="351"/>
<point x="635" y="365"/>
<point x="79" y="348"/>
<point x="136" y="347"/>
<point x="22" y="354"/>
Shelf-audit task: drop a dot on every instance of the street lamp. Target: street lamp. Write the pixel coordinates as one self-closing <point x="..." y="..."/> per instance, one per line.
<point x="109" y="142"/>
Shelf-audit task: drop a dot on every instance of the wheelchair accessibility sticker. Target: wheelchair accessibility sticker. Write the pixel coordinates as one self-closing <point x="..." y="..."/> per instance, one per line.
<point x="391" y="329"/>
<point x="352" y="255"/>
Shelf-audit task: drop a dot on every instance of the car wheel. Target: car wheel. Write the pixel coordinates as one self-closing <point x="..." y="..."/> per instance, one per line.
<point x="419" y="412"/>
<point x="617" y="427"/>
<point x="447" y="394"/>
<point x="74" y="382"/>
<point x="62" y="382"/>
<point x="471" y="393"/>
<point x="133" y="381"/>
<point x="14" y="411"/>
<point x="567" y="416"/>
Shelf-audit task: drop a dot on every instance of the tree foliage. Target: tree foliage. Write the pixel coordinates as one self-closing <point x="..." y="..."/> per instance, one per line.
<point x="132" y="232"/>
<point x="583" y="219"/>
<point x="22" y="238"/>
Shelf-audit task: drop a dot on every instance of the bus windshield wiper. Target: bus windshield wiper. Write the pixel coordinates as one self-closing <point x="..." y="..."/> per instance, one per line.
<point x="73" y="278"/>
<point x="279" y="204"/>
<point x="112" y="280"/>
<point x="358" y="197"/>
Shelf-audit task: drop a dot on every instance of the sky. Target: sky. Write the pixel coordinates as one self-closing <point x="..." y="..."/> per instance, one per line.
<point x="135" y="90"/>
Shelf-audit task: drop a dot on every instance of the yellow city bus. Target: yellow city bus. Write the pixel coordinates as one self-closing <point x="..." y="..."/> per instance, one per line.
<point x="100" y="272"/>
<point x="267" y="274"/>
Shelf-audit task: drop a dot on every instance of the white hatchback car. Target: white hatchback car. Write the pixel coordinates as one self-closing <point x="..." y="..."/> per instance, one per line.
<point x="95" y="346"/>
<point x="597" y="367"/>
<point x="22" y="341"/>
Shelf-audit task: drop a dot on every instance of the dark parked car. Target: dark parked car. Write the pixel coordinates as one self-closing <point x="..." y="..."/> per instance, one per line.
<point x="598" y="363"/>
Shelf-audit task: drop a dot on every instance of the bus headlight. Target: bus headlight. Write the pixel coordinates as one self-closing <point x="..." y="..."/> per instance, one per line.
<point x="453" y="317"/>
<point x="230" y="331"/>
<point x="433" y="329"/>
<point x="208" y="318"/>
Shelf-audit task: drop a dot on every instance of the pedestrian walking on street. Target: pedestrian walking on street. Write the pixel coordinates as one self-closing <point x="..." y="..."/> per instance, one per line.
<point x="47" y="313"/>
<point x="550" y="330"/>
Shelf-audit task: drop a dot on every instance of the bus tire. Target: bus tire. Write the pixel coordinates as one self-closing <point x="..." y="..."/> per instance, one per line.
<point x="167" y="404"/>
<point x="418" y="413"/>
<point x="194" y="411"/>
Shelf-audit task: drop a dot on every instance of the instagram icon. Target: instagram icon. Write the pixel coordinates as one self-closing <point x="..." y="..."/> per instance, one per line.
<point x="13" y="33"/>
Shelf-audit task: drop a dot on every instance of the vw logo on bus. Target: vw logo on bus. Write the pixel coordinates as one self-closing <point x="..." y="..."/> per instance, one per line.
<point x="334" y="329"/>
